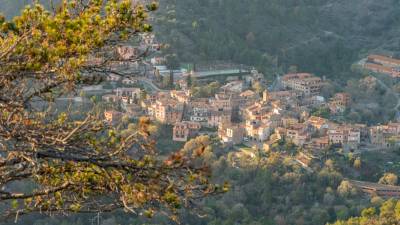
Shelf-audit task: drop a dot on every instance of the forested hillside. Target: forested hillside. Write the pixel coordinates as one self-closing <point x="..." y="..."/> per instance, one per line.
<point x="320" y="36"/>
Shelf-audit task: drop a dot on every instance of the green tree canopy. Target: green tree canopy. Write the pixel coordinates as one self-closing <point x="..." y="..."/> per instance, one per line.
<point x="389" y="213"/>
<point x="79" y="163"/>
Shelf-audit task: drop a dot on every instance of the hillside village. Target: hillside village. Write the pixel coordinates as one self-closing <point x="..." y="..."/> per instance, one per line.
<point x="239" y="114"/>
<point x="242" y="115"/>
<point x="243" y="110"/>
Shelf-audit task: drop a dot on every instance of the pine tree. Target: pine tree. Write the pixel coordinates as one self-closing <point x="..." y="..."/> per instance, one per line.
<point x="79" y="164"/>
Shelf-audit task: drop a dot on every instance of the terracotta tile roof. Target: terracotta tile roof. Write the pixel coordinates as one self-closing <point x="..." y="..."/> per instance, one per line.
<point x="292" y="76"/>
<point x="384" y="58"/>
<point x="247" y="93"/>
<point x="381" y="68"/>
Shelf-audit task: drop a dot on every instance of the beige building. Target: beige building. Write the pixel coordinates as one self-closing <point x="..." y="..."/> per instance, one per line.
<point x="181" y="96"/>
<point x="279" y="95"/>
<point x="289" y="121"/>
<point x="182" y="131"/>
<point x="258" y="130"/>
<point x="339" y="102"/>
<point x="231" y="134"/>
<point x="167" y="111"/>
<point x="318" y="123"/>
<point x="133" y="93"/>
<point x="306" y="83"/>
<point x="297" y="134"/>
<point x="224" y="101"/>
<point x="346" y="136"/>
<point x="247" y="98"/>
<point x="259" y="111"/>
<point x="199" y="111"/>
<point x="217" y="117"/>
<point x="319" y="143"/>
<point x="385" y="136"/>
<point x="110" y="98"/>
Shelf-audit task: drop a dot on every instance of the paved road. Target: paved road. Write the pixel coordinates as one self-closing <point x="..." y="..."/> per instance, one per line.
<point x="213" y="73"/>
<point x="149" y="84"/>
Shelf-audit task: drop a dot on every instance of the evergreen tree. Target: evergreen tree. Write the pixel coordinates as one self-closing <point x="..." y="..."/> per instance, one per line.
<point x="72" y="160"/>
